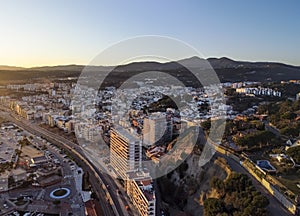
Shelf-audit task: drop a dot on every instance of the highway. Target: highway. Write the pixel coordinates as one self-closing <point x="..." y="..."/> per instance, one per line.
<point x="109" y="185"/>
<point x="96" y="177"/>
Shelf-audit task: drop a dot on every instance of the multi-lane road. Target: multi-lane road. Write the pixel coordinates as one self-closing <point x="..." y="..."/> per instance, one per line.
<point x="104" y="185"/>
<point x="274" y="207"/>
<point x="101" y="183"/>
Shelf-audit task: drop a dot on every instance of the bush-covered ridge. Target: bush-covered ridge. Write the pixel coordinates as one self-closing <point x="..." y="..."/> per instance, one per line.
<point x="236" y="196"/>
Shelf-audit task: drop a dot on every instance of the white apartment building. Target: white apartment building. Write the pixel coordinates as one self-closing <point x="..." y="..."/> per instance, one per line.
<point x="125" y="151"/>
<point x="155" y="127"/>
<point x="139" y="187"/>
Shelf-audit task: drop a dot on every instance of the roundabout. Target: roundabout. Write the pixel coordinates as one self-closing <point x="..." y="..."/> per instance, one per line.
<point x="60" y="193"/>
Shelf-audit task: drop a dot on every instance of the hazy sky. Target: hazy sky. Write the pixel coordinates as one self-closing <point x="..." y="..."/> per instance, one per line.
<point x="35" y="32"/>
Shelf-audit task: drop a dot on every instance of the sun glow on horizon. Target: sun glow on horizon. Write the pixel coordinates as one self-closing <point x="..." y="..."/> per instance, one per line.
<point x="32" y="35"/>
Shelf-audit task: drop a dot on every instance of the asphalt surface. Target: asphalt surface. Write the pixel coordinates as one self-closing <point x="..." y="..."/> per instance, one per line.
<point x="275" y="207"/>
<point x="95" y="175"/>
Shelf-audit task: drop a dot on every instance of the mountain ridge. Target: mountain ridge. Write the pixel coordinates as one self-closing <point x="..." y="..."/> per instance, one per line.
<point x="224" y="60"/>
<point x="228" y="70"/>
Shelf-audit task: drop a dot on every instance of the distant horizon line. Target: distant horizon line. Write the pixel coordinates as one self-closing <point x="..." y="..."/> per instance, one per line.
<point x="16" y="67"/>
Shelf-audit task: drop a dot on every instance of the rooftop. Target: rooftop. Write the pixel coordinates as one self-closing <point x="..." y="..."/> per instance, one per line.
<point x="127" y="134"/>
<point x="145" y="183"/>
<point x="92" y="208"/>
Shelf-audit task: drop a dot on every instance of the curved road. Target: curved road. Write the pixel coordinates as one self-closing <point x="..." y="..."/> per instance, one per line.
<point x="96" y="176"/>
<point x="274" y="207"/>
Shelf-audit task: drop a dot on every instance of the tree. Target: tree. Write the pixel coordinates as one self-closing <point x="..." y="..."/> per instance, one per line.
<point x="255" y="140"/>
<point x="258" y="125"/>
<point x="56" y="202"/>
<point x="206" y="125"/>
<point x="94" y="195"/>
<point x="240" y="197"/>
<point x="288" y="115"/>
<point x="289" y="131"/>
<point x="217" y="184"/>
<point x="213" y="207"/>
<point x="11" y="181"/>
<point x="18" y="152"/>
<point x="294" y="152"/>
<point x="260" y="201"/>
<point x="237" y="182"/>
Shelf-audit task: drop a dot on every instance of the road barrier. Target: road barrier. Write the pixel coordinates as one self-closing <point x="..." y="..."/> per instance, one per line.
<point x="261" y="176"/>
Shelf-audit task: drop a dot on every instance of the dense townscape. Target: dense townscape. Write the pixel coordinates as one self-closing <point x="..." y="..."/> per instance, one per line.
<point x="117" y="130"/>
<point x="149" y="108"/>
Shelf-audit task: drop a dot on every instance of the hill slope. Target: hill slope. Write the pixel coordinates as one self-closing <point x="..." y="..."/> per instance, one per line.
<point x="226" y="69"/>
